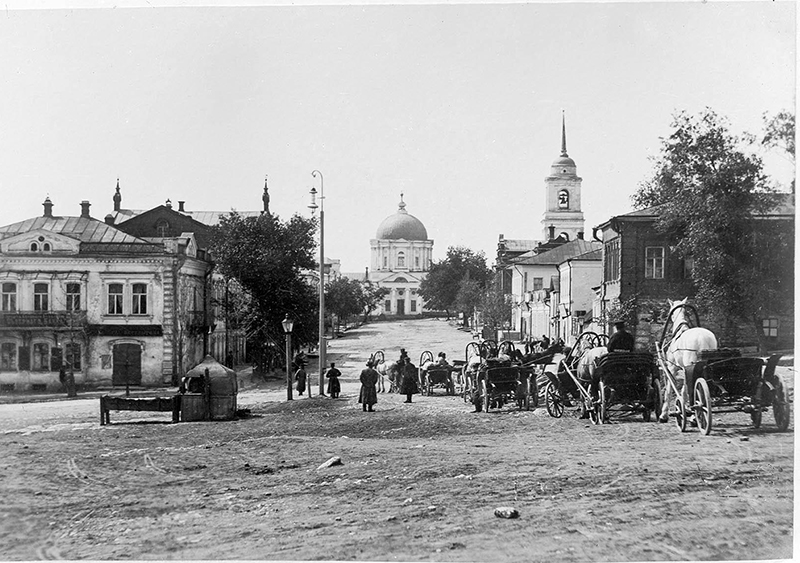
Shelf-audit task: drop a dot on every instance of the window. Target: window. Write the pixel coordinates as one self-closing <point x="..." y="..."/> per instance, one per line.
<point x="563" y="199"/>
<point x="688" y="268"/>
<point x="46" y="247"/>
<point x="162" y="228"/>
<point x="41" y="357"/>
<point x="72" y="355"/>
<point x="525" y="282"/>
<point x="387" y="305"/>
<point x="73" y="297"/>
<point x="385" y="261"/>
<point x="8" y="356"/>
<point x="401" y="260"/>
<point x="139" y="299"/>
<point x="611" y="261"/>
<point x="538" y="283"/>
<point x="654" y="262"/>
<point x="115" y="299"/>
<point x="770" y="327"/>
<point x="40" y="297"/>
<point x="9" y="297"/>
<point x="413" y="305"/>
<point x="416" y="262"/>
<point x="34" y="247"/>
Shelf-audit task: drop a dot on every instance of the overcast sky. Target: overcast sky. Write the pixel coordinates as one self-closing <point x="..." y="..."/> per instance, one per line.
<point x="457" y="105"/>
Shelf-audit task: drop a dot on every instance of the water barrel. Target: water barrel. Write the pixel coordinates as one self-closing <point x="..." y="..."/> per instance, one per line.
<point x="222" y="388"/>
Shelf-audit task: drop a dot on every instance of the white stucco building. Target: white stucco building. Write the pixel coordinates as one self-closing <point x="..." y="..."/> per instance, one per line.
<point x="400" y="258"/>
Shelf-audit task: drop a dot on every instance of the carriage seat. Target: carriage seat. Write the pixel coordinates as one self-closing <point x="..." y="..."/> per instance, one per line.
<point x="719" y="354"/>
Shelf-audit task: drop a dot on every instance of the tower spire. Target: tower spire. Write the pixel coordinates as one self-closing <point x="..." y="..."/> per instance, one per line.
<point x="265" y="197"/>
<point x="563" y="135"/>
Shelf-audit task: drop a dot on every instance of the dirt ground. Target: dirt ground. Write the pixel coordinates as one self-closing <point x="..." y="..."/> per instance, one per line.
<point x="418" y="482"/>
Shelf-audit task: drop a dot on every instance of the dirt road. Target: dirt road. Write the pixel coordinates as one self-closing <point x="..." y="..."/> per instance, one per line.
<point x="417" y="482"/>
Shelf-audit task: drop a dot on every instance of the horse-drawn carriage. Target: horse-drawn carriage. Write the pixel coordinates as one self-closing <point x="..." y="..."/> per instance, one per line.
<point x="601" y="382"/>
<point x="492" y="379"/>
<point x="705" y="379"/>
<point x="434" y="376"/>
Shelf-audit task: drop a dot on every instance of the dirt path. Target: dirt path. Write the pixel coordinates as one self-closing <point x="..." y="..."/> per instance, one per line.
<point x="418" y="482"/>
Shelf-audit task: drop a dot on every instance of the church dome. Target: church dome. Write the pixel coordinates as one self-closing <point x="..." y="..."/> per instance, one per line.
<point x="402" y="225"/>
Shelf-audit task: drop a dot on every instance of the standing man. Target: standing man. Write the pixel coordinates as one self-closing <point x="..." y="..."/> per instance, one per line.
<point x="621" y="340"/>
<point x="334" y="388"/>
<point x="369" y="394"/>
<point x="408" y="383"/>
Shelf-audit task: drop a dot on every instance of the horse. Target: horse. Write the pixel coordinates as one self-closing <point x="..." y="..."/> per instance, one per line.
<point x="683" y="350"/>
<point x="587" y="363"/>
<point x="387" y="370"/>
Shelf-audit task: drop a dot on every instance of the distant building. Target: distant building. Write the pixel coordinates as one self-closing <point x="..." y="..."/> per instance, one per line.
<point x="81" y="294"/>
<point x="401" y="256"/>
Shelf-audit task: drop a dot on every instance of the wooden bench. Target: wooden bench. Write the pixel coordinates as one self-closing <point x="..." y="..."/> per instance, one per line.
<point x="110" y="403"/>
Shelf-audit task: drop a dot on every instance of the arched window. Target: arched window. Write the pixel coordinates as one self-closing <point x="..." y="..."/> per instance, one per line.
<point x="46" y="247"/>
<point x="34" y="247"/>
<point x="563" y="199"/>
<point x="401" y="260"/>
<point x="162" y="228"/>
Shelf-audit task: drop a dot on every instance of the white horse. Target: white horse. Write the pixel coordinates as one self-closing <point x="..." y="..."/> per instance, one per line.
<point x="683" y="350"/>
<point x="587" y="363"/>
<point x="386" y="370"/>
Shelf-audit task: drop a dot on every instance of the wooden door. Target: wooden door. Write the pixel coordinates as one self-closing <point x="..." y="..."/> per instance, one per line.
<point x="127" y="364"/>
<point x="401" y="307"/>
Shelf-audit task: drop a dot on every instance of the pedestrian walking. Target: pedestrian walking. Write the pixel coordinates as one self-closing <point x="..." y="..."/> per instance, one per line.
<point x="368" y="395"/>
<point x="300" y="377"/>
<point x="334" y="387"/>
<point x="408" y="381"/>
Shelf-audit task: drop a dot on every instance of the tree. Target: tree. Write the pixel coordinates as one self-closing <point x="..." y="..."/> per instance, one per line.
<point x="709" y="191"/>
<point x="779" y="132"/>
<point x="495" y="304"/>
<point x="343" y="298"/>
<point x="451" y="283"/>
<point x="266" y="256"/>
<point x="371" y="295"/>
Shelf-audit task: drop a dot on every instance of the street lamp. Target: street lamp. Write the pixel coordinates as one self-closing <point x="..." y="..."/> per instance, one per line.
<point x="313" y="207"/>
<point x="288" y="325"/>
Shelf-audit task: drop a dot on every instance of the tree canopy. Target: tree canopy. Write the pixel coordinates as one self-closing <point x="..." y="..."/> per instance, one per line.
<point x="347" y="298"/>
<point x="710" y="192"/>
<point x="457" y="282"/>
<point x="266" y="256"/>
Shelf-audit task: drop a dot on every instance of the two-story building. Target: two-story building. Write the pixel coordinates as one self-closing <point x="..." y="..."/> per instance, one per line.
<point x="111" y="307"/>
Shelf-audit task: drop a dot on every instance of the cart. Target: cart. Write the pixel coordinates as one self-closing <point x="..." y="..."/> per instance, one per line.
<point x="627" y="384"/>
<point x="565" y="385"/>
<point x="434" y="376"/>
<point x="722" y="381"/>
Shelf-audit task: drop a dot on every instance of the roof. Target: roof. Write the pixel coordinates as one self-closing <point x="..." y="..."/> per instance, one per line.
<point x="401" y="225"/>
<point x="213" y="217"/>
<point x="516" y="245"/>
<point x="560" y="254"/>
<point x="84" y="229"/>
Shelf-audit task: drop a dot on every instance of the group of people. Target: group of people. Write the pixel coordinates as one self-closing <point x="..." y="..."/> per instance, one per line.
<point x="409" y="386"/>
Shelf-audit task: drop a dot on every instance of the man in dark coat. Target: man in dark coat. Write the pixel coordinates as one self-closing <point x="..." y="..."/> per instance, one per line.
<point x="621" y="340"/>
<point x="369" y="394"/>
<point x="408" y="381"/>
<point x="334" y="387"/>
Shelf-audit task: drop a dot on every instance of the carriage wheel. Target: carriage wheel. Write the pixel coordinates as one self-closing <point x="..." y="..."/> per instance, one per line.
<point x="603" y="408"/>
<point x="552" y="399"/>
<point x="780" y="407"/>
<point x="485" y="396"/>
<point x="702" y="405"/>
<point x="680" y="417"/>
<point x="758" y="405"/>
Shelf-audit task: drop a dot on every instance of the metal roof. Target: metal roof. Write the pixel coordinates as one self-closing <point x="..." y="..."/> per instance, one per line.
<point x="84" y="229"/>
<point x="559" y="254"/>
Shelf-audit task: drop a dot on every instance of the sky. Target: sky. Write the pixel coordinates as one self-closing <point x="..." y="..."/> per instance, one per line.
<point x="456" y="105"/>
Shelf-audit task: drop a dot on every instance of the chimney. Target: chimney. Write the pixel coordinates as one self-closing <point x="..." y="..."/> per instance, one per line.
<point x="580" y="235"/>
<point x="117" y="198"/>
<point x="552" y="230"/>
<point x="48" y="207"/>
<point x="180" y="206"/>
<point x="85" y="209"/>
<point x="109" y="219"/>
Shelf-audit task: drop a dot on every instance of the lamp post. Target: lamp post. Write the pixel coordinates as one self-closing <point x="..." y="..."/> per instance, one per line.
<point x="288" y="324"/>
<point x="313" y="207"/>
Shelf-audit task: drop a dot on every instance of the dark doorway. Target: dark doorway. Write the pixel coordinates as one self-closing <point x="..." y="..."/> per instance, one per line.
<point x="127" y="364"/>
<point x="401" y="307"/>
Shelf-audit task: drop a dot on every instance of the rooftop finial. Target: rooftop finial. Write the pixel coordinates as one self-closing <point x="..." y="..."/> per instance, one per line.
<point x="402" y="204"/>
<point x="265" y="197"/>
<point x="563" y="135"/>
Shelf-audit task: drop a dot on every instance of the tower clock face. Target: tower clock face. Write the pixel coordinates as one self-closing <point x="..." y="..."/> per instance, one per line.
<point x="563" y="199"/>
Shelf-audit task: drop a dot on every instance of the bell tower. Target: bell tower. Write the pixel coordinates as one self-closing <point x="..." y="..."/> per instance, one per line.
<point x="563" y="195"/>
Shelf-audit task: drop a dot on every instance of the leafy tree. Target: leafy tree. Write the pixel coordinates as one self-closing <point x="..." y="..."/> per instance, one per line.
<point x="343" y="298"/>
<point x="779" y="132"/>
<point x="371" y="295"/>
<point x="266" y="257"/>
<point x="495" y="304"/>
<point x="451" y="283"/>
<point x="709" y="190"/>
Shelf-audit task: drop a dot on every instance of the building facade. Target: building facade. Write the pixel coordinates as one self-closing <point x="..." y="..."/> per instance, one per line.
<point x="400" y="258"/>
<point x="79" y="294"/>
